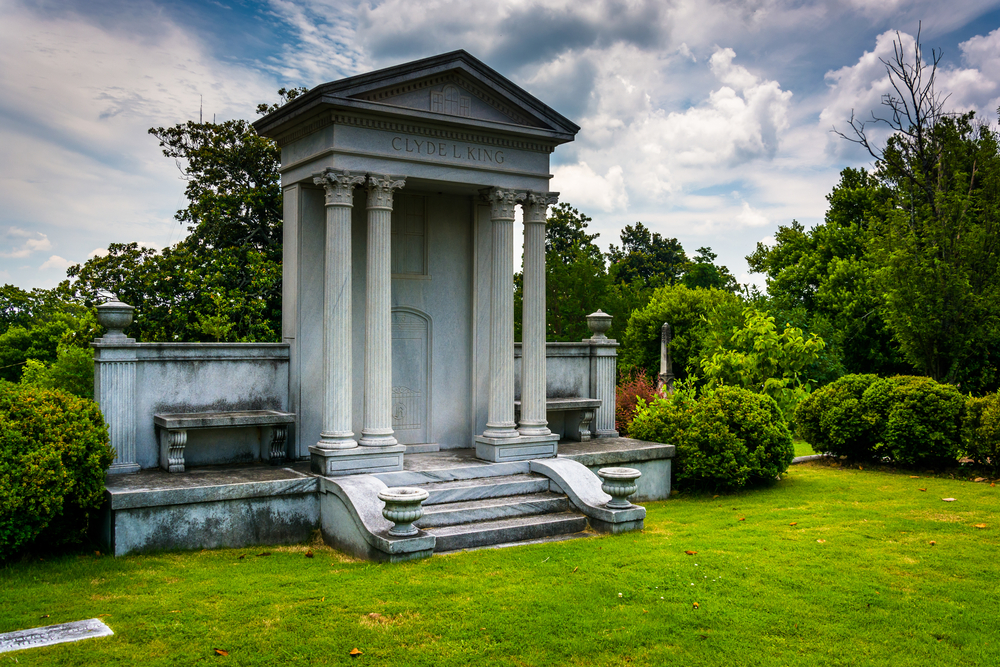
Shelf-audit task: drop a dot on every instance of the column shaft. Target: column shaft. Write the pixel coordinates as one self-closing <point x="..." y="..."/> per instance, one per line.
<point x="337" y="368"/>
<point x="533" y="412"/>
<point x="377" y="429"/>
<point x="500" y="420"/>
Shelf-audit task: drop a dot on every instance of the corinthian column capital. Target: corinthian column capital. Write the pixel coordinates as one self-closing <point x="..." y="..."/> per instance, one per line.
<point x="339" y="185"/>
<point x="503" y="202"/>
<point x="380" y="190"/>
<point x="536" y="206"/>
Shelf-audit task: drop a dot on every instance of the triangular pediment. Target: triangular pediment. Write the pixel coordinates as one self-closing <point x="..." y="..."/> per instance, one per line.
<point x="452" y="94"/>
<point x="453" y="88"/>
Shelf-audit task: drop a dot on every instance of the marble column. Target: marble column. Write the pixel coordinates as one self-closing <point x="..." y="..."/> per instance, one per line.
<point x="377" y="426"/>
<point x="337" y="369"/>
<point x="533" y="417"/>
<point x="500" y="418"/>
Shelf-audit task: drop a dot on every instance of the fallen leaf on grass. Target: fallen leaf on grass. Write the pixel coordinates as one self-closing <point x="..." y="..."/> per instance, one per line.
<point x="948" y="500"/>
<point x="354" y="653"/>
<point x="309" y="554"/>
<point x="914" y="476"/>
<point x="242" y="557"/>
<point x="219" y="651"/>
<point x="921" y="489"/>
<point x="979" y="479"/>
<point x="794" y="523"/>
<point x="576" y="568"/>
<point x="821" y="541"/>
<point x="482" y="628"/>
<point x="932" y="543"/>
<point x="980" y="525"/>
<point x="696" y="605"/>
<point x="690" y="553"/>
<point x="175" y="611"/>
<point x="265" y="553"/>
<point x="743" y="518"/>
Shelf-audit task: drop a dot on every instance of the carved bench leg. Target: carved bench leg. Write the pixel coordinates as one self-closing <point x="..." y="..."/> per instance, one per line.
<point x="172" y="450"/>
<point x="277" y="451"/>
<point x="586" y="417"/>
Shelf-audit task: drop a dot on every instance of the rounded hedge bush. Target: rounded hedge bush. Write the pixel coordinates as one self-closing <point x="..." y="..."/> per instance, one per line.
<point x="54" y="453"/>
<point x="981" y="431"/>
<point x="914" y="420"/>
<point x="727" y="439"/>
<point x="832" y="420"/>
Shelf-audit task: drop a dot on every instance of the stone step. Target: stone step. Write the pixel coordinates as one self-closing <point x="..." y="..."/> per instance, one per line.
<point x="540" y="540"/>
<point x="487" y="509"/>
<point x="502" y="531"/>
<point x="474" y="471"/>
<point x="486" y="487"/>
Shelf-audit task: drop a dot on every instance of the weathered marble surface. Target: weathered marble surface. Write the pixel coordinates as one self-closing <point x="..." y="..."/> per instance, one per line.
<point x="53" y="634"/>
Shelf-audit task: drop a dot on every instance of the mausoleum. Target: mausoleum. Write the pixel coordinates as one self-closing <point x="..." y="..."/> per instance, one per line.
<point x="398" y="365"/>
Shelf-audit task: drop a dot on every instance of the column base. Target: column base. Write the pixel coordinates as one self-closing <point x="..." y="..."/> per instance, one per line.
<point x="123" y="468"/>
<point x="355" y="461"/>
<point x="606" y="434"/>
<point x="521" y="448"/>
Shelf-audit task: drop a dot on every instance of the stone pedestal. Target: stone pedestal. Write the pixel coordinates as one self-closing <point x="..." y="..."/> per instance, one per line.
<point x="114" y="383"/>
<point x="603" y="368"/>
<point x="356" y="461"/>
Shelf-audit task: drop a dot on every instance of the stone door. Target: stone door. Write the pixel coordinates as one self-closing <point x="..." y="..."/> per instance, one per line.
<point x="410" y="375"/>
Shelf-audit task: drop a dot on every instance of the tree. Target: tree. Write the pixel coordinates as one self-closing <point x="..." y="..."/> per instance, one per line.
<point x="222" y="282"/>
<point x="704" y="272"/>
<point x="936" y="246"/>
<point x="691" y="314"/>
<point x="647" y="257"/>
<point x="756" y="356"/>
<point x="575" y="279"/>
<point x="821" y="279"/>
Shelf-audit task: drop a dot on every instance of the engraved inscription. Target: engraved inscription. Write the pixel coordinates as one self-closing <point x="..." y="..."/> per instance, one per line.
<point x="447" y="149"/>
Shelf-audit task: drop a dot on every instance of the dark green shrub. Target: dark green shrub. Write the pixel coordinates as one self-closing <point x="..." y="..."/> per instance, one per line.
<point x="54" y="453"/>
<point x="831" y="418"/>
<point x="914" y="420"/>
<point x="727" y="439"/>
<point x="981" y="431"/>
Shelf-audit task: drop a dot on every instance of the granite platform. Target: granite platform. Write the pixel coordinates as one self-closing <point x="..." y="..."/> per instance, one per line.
<point x="249" y="504"/>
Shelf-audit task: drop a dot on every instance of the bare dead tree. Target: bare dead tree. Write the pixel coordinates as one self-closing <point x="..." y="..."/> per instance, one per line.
<point x="911" y="112"/>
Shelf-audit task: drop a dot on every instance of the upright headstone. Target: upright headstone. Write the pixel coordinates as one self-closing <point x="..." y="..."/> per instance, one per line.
<point x="665" y="380"/>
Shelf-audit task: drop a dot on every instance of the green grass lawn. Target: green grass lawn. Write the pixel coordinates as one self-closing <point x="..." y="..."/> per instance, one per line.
<point x="803" y="448"/>
<point x="830" y="566"/>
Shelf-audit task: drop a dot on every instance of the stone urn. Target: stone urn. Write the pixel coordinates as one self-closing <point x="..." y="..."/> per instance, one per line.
<point x="402" y="508"/>
<point x="599" y="322"/>
<point x="114" y="316"/>
<point x="619" y="483"/>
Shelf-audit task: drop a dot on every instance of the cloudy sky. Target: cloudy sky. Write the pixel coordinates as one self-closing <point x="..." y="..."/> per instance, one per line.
<point x="707" y="120"/>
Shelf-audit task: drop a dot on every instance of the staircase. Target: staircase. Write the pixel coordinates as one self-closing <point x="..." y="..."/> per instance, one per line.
<point x="494" y="505"/>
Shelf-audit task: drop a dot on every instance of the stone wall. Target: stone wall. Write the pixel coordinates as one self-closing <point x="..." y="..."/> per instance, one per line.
<point x="134" y="381"/>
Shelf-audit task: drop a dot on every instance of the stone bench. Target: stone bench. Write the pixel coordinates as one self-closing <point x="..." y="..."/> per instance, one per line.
<point x="173" y="430"/>
<point x="579" y="414"/>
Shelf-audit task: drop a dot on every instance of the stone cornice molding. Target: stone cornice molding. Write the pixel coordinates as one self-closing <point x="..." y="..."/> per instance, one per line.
<point x="380" y="190"/>
<point x="536" y="206"/>
<point x="339" y="185"/>
<point x="502" y="202"/>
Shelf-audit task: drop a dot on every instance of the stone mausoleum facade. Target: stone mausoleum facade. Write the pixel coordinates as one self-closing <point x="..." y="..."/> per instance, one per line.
<point x="401" y="191"/>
